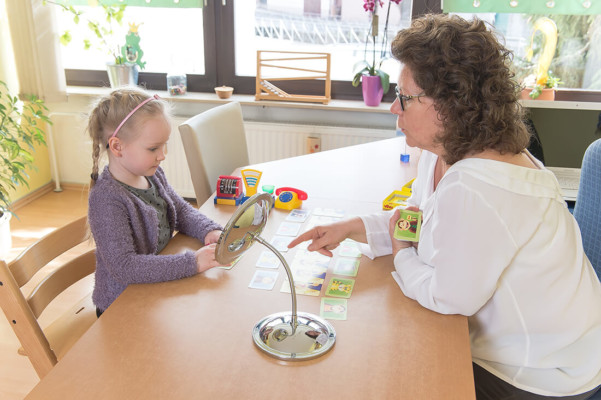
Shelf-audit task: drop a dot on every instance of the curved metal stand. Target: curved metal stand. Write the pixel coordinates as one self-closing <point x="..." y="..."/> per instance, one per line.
<point x="285" y="335"/>
<point x="292" y="336"/>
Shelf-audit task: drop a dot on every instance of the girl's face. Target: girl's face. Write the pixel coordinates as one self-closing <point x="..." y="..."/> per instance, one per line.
<point x="142" y="155"/>
<point x="419" y="121"/>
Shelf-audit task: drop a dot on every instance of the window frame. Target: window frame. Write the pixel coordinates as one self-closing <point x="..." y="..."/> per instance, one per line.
<point x="218" y="27"/>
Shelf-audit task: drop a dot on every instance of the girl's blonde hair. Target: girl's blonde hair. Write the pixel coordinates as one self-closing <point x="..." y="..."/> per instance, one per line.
<point x="111" y="110"/>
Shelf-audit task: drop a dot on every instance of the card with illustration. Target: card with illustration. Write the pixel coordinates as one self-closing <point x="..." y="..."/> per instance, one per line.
<point x="281" y="243"/>
<point x="311" y="258"/>
<point x="333" y="308"/>
<point x="288" y="229"/>
<point x="339" y="287"/>
<point x="306" y="273"/>
<point x="329" y="212"/>
<point x="264" y="280"/>
<point x="316" y="220"/>
<point x="346" y="266"/>
<point x="268" y="260"/>
<point x="304" y="288"/>
<point x="349" y="248"/>
<point x="408" y="226"/>
<point x="297" y="215"/>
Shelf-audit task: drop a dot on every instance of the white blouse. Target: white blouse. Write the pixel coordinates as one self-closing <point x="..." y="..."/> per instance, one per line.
<point x="498" y="245"/>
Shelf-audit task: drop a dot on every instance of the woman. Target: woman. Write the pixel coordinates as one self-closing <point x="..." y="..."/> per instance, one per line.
<point x="497" y="242"/>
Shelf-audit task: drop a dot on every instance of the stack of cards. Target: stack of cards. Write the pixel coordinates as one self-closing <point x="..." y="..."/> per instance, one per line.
<point x="408" y="226"/>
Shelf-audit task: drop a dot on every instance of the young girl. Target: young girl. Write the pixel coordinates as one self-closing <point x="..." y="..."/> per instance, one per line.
<point x="133" y="211"/>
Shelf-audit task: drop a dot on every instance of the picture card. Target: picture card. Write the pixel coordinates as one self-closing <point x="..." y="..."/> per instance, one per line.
<point x="349" y="248"/>
<point x="316" y="220"/>
<point x="329" y="212"/>
<point x="339" y="287"/>
<point x="281" y="243"/>
<point x="268" y="260"/>
<point x="289" y="229"/>
<point x="408" y="226"/>
<point x="333" y="308"/>
<point x="311" y="258"/>
<point x="303" y="288"/>
<point x="307" y="273"/>
<point x="264" y="280"/>
<point x="346" y="266"/>
<point x="298" y="215"/>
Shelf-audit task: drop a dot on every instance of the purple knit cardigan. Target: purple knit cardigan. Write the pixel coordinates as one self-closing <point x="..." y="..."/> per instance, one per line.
<point x="126" y="232"/>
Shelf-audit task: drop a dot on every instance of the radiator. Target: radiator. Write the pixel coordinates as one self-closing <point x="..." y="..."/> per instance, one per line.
<point x="268" y="142"/>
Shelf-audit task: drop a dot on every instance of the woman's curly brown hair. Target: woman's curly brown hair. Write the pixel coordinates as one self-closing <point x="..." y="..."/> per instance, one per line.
<point x="461" y="65"/>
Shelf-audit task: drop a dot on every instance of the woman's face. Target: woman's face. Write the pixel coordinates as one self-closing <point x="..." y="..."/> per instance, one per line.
<point x="419" y="121"/>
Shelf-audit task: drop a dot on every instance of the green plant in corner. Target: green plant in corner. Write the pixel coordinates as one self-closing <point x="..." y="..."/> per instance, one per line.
<point x="21" y="126"/>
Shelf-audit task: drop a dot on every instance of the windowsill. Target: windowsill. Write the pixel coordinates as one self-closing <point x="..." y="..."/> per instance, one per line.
<point x="333" y="105"/>
<point x="243" y="99"/>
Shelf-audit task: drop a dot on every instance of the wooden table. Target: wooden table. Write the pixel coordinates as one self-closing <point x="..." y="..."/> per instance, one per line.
<point x="191" y="339"/>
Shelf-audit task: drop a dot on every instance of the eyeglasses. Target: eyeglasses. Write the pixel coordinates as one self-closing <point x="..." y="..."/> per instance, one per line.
<point x="403" y="99"/>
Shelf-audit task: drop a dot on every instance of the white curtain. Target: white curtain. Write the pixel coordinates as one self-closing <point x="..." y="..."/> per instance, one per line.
<point x="35" y="45"/>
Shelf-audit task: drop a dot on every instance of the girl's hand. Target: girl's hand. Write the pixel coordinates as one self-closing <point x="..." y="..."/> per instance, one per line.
<point x="212" y="237"/>
<point x="398" y="245"/>
<point x="205" y="258"/>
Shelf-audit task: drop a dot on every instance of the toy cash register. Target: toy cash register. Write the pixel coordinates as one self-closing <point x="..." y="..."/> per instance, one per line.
<point x="229" y="190"/>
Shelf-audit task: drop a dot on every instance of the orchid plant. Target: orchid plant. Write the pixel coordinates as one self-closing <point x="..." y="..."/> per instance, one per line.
<point x="373" y="69"/>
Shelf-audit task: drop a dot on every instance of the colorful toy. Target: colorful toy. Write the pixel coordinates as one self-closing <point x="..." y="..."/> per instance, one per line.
<point x="229" y="190"/>
<point x="289" y="198"/>
<point x="132" y="51"/>
<point x="251" y="182"/>
<point x="398" y="197"/>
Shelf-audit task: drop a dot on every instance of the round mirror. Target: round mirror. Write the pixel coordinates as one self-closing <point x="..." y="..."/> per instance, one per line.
<point x="242" y="229"/>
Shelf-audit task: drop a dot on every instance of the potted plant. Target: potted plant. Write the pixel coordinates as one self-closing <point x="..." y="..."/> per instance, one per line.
<point x="21" y="126"/>
<point x="543" y="88"/>
<point x="540" y="83"/>
<point x="126" y="55"/>
<point x="374" y="82"/>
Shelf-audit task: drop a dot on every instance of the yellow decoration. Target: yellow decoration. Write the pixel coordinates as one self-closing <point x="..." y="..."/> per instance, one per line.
<point x="549" y="30"/>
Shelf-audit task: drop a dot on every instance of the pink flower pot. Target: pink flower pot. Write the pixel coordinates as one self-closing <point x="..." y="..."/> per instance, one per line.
<point x="372" y="90"/>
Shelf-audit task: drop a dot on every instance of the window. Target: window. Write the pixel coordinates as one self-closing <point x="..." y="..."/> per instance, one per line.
<point x="217" y="44"/>
<point x="577" y="58"/>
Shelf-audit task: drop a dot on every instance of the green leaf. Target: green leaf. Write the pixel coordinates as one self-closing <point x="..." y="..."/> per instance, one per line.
<point x="384" y="80"/>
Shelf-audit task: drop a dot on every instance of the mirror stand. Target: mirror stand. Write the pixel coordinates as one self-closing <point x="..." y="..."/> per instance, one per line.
<point x="289" y="336"/>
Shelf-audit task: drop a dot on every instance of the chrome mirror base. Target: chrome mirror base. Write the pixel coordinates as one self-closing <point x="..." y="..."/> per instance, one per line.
<point x="312" y="337"/>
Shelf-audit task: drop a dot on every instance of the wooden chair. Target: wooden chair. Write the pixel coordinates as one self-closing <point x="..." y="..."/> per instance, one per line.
<point x="215" y="144"/>
<point x="45" y="347"/>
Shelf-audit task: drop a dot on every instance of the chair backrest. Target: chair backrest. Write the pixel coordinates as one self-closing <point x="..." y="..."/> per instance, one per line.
<point x="587" y="210"/>
<point x="215" y="144"/>
<point x="23" y="311"/>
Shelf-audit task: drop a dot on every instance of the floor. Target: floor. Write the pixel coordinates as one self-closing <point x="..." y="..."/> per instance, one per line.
<point x="17" y="376"/>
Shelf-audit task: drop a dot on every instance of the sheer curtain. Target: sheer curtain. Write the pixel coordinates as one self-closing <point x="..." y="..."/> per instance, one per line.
<point x="35" y="46"/>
